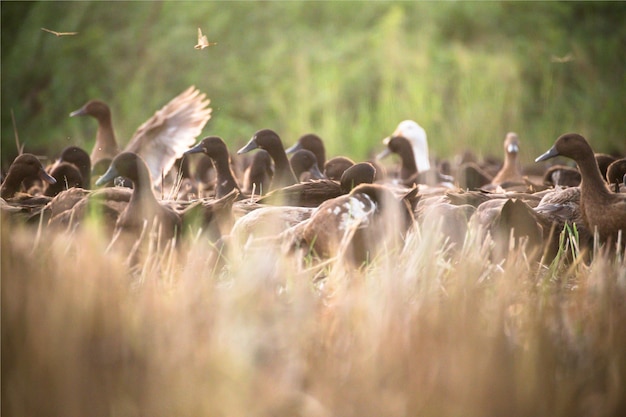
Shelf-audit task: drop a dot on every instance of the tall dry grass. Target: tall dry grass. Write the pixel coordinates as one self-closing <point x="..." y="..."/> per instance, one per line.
<point x="429" y="331"/>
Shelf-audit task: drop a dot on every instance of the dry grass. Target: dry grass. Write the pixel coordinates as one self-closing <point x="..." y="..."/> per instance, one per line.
<point x="428" y="332"/>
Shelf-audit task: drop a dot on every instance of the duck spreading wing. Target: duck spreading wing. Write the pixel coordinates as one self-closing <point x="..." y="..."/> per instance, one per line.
<point x="164" y="137"/>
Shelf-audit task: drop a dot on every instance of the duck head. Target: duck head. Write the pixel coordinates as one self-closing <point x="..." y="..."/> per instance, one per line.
<point x="571" y="145"/>
<point x="128" y="165"/>
<point x="313" y="143"/>
<point x="213" y="146"/>
<point x="511" y="143"/>
<point x="303" y="161"/>
<point x="265" y="139"/>
<point x="416" y="135"/>
<point x="25" y="167"/>
<point x="361" y="173"/>
<point x="94" y="108"/>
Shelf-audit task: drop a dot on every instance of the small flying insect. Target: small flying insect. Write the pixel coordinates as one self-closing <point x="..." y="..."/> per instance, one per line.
<point x="59" y="34"/>
<point x="203" y="42"/>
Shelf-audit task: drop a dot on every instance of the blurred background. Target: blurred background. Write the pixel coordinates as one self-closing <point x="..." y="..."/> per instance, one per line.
<point x="349" y="71"/>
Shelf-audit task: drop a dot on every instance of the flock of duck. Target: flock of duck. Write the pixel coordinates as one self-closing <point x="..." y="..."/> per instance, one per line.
<point x="164" y="183"/>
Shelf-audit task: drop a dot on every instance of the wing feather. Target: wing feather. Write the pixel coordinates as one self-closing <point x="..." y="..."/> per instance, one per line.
<point x="164" y="137"/>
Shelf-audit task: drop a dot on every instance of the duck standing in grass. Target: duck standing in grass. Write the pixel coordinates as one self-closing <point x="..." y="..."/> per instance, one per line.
<point x="143" y="208"/>
<point x="602" y="210"/>
<point x="161" y="140"/>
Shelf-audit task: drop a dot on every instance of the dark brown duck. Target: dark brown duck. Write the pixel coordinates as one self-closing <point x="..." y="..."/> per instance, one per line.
<point x="601" y="209"/>
<point x="215" y="148"/>
<point x="269" y="140"/>
<point x="143" y="205"/>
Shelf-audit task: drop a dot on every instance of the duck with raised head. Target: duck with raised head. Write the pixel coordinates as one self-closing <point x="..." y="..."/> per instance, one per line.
<point x="510" y="173"/>
<point x="601" y="209"/>
<point x="215" y="148"/>
<point x="409" y="173"/>
<point x="161" y="139"/>
<point x="143" y="207"/>
<point x="355" y="226"/>
<point x="269" y="141"/>
<point x="416" y="136"/>
<point x="310" y="142"/>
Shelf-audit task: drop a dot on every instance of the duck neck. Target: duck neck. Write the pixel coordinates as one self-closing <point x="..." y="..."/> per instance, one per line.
<point x="142" y="198"/>
<point x="408" y="167"/>
<point x="591" y="183"/>
<point x="225" y="178"/>
<point x="420" y="154"/>
<point x="284" y="174"/>
<point x="106" y="145"/>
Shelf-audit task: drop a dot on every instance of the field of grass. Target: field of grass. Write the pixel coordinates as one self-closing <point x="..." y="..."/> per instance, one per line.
<point x="428" y="332"/>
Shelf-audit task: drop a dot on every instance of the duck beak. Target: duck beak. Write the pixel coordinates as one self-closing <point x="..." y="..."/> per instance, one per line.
<point x="110" y="174"/>
<point x="512" y="148"/>
<point x="196" y="149"/>
<point x="387" y="139"/>
<point x="294" y="148"/>
<point x="250" y="146"/>
<point x="316" y="173"/>
<point x="44" y="176"/>
<point x="383" y="154"/>
<point x="551" y="153"/>
<point x="79" y="112"/>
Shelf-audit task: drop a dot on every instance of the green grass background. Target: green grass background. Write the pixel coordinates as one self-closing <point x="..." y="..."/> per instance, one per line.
<point x="468" y="72"/>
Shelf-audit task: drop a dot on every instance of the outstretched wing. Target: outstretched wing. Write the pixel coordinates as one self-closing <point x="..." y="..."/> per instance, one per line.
<point x="164" y="137"/>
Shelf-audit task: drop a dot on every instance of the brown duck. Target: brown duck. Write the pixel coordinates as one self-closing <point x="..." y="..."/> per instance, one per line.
<point x="161" y="139"/>
<point x="143" y="205"/>
<point x="601" y="209"/>
<point x="215" y="148"/>
<point x="269" y="140"/>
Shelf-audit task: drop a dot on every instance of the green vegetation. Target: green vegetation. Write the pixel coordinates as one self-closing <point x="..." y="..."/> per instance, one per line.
<point x="350" y="71"/>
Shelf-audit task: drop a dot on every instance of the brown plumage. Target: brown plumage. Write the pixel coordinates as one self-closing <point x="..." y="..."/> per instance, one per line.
<point x="269" y="140"/>
<point x="258" y="176"/>
<point x="310" y="142"/>
<point x="335" y="167"/>
<point x="602" y="210"/>
<point x="24" y="168"/>
<point x="304" y="165"/>
<point x="161" y="139"/>
<point x="616" y="174"/>
<point x="355" y="226"/>
<point x="215" y="148"/>
<point x="313" y="193"/>
<point x="510" y="171"/>
<point x="143" y="208"/>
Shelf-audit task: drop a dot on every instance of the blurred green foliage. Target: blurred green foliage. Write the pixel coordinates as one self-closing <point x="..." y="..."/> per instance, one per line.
<point x="468" y="72"/>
